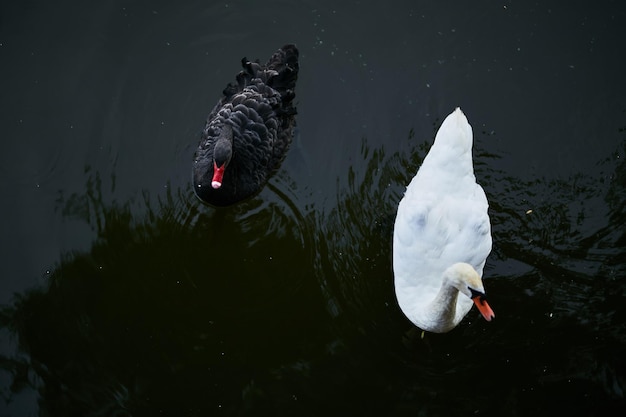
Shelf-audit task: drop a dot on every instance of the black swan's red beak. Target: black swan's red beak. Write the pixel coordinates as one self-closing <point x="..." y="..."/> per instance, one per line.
<point x="218" y="174"/>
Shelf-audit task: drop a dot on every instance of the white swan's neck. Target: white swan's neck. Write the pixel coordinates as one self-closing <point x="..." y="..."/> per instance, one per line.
<point x="441" y="311"/>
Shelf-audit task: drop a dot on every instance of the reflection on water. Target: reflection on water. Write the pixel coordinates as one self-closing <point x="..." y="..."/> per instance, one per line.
<point x="188" y="303"/>
<point x="354" y="239"/>
<point x="266" y="308"/>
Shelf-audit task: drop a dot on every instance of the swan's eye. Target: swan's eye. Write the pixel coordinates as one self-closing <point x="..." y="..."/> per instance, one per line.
<point x="476" y="293"/>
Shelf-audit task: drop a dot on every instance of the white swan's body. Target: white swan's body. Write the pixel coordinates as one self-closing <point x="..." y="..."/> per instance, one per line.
<point x="442" y="234"/>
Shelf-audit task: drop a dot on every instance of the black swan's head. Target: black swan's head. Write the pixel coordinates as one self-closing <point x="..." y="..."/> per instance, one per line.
<point x="222" y="153"/>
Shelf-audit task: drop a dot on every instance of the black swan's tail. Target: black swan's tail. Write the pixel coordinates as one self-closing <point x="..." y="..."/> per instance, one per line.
<point x="280" y="73"/>
<point x="285" y="63"/>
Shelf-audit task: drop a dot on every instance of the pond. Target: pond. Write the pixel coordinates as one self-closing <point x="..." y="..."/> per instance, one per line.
<point x="122" y="294"/>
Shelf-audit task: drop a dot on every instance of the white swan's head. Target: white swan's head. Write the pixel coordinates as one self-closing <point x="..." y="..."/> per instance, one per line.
<point x="465" y="278"/>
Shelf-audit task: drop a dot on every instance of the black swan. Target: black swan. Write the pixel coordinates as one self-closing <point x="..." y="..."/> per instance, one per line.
<point x="247" y="134"/>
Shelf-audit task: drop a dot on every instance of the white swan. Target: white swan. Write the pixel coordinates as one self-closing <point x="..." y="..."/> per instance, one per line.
<point x="442" y="234"/>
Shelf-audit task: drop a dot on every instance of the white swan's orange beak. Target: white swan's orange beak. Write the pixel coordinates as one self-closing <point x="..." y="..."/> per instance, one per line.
<point x="484" y="308"/>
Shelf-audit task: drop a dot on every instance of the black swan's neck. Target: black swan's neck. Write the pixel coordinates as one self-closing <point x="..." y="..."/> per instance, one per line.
<point x="223" y="146"/>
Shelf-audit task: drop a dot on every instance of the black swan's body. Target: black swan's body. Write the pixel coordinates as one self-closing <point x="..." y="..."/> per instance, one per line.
<point x="247" y="134"/>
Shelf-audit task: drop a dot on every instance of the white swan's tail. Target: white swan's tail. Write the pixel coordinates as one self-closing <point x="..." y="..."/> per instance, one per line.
<point x="455" y="131"/>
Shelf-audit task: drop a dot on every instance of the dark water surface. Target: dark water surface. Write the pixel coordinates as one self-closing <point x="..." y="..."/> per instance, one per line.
<point x="121" y="294"/>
